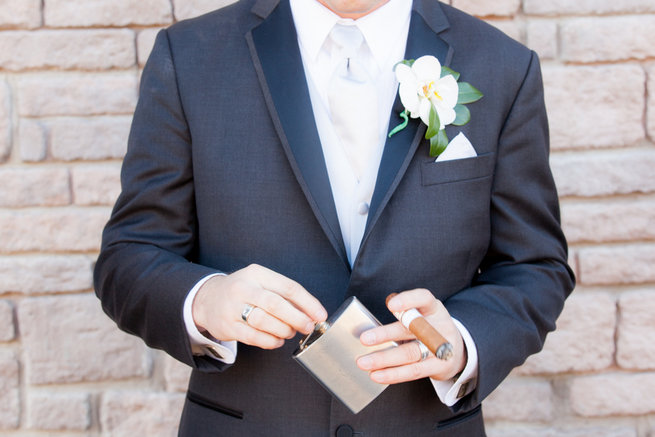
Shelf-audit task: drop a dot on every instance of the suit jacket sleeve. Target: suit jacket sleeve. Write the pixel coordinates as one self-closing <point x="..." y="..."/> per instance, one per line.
<point x="144" y="271"/>
<point x="523" y="280"/>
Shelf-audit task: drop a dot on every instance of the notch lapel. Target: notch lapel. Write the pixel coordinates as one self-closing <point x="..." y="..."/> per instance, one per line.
<point x="427" y="21"/>
<point x="274" y="49"/>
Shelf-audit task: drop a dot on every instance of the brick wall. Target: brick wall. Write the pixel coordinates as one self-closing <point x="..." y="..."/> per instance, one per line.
<point x="68" y="77"/>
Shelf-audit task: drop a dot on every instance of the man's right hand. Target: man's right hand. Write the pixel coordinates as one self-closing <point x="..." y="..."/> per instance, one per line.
<point x="282" y="307"/>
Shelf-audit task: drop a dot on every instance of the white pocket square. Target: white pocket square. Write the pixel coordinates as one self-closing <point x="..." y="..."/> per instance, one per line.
<point x="459" y="148"/>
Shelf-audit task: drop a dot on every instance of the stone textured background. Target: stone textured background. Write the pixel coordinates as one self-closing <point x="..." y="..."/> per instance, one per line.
<point x="68" y="84"/>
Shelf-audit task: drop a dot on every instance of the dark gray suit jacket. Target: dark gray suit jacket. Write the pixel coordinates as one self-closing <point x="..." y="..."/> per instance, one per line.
<point x="224" y="168"/>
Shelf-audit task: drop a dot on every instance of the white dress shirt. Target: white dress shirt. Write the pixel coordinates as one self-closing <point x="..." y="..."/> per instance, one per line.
<point x="385" y="32"/>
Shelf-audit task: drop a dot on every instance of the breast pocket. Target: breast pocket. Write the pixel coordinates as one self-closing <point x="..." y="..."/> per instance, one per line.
<point x="457" y="170"/>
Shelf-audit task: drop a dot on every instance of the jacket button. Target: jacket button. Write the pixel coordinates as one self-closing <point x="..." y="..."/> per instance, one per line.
<point x="345" y="431"/>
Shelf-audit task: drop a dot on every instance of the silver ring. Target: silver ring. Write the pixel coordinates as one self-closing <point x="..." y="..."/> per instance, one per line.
<point x="425" y="352"/>
<point x="247" y="309"/>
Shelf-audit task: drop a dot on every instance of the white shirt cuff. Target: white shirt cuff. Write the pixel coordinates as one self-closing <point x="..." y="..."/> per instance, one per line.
<point x="453" y="390"/>
<point x="224" y="351"/>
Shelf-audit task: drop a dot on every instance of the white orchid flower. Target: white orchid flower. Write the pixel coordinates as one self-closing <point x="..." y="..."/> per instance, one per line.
<point x="422" y="87"/>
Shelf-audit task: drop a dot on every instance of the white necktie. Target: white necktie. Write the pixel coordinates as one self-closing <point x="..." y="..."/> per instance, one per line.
<point x="353" y="100"/>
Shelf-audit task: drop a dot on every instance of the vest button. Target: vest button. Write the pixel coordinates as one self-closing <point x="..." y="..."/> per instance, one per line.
<point x="345" y="431"/>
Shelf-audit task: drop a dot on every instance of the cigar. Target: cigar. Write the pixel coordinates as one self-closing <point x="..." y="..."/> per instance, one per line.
<point x="424" y="332"/>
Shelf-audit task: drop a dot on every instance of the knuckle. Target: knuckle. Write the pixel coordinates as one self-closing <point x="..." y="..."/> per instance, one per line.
<point x="290" y="289"/>
<point x="252" y="269"/>
<point x="273" y="303"/>
<point x="414" y="371"/>
<point x="272" y="343"/>
<point x="249" y="337"/>
<point x="412" y="353"/>
<point x="288" y="332"/>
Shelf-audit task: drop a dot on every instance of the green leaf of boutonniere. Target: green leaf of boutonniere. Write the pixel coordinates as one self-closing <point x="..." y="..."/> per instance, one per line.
<point x="438" y="143"/>
<point x="445" y="71"/>
<point x="463" y="115"/>
<point x="468" y="94"/>
<point x="434" y="125"/>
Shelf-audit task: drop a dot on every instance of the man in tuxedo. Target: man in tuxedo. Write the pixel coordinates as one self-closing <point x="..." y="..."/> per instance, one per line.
<point x="249" y="213"/>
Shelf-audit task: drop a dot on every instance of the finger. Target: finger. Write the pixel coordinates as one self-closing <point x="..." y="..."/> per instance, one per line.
<point x="248" y="335"/>
<point x="291" y="291"/>
<point x="392" y="332"/>
<point x="420" y="299"/>
<point x="404" y="354"/>
<point x="409" y="372"/>
<point x="263" y="321"/>
<point x="280" y="309"/>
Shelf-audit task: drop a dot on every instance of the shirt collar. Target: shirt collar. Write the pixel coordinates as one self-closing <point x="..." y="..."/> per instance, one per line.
<point x="381" y="28"/>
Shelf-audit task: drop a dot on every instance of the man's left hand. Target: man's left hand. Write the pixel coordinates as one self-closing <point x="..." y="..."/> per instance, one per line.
<point x="403" y="363"/>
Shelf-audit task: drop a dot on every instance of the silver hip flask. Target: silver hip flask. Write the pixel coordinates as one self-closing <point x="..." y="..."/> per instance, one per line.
<point x="330" y="352"/>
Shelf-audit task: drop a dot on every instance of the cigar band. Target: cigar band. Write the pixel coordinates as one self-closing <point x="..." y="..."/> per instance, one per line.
<point x="408" y="316"/>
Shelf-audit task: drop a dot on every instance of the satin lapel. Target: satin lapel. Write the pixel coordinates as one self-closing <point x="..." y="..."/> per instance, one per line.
<point x="426" y="22"/>
<point x="274" y="49"/>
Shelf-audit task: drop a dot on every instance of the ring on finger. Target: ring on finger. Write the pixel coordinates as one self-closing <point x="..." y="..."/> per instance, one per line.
<point x="425" y="352"/>
<point x="247" y="310"/>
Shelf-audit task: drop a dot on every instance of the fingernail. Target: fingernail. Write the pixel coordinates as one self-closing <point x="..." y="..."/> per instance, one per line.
<point x="309" y="327"/>
<point x="368" y="337"/>
<point x="365" y="363"/>
<point x="320" y="316"/>
<point x="394" y="305"/>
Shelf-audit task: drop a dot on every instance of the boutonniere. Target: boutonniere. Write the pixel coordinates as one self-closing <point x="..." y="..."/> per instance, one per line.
<point x="430" y="91"/>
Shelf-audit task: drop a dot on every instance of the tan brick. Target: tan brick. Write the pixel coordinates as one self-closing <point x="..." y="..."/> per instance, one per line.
<point x="651" y="103"/>
<point x="633" y="264"/>
<point x="593" y="7"/>
<point x="9" y="391"/>
<point x="599" y="39"/>
<point x="551" y="431"/>
<point x="42" y="95"/>
<point x="192" y="8"/>
<point x="67" y="49"/>
<point x="602" y="173"/>
<point x="5" y="121"/>
<point x="610" y="220"/>
<point x="520" y="400"/>
<point x="7" y="327"/>
<point x="137" y="413"/>
<point x="46" y="274"/>
<point x="53" y="230"/>
<point x="96" y="184"/>
<point x="34" y="187"/>
<point x="583" y="340"/>
<point x="69" y="339"/>
<point x="176" y="375"/>
<point x="584" y="111"/>
<point x="89" y="138"/>
<point x="542" y="38"/>
<point x="613" y="394"/>
<point x="64" y="13"/>
<point x="145" y="40"/>
<point x="24" y="14"/>
<point x="32" y="137"/>
<point x="635" y="342"/>
<point x="501" y="8"/>
<point x="58" y="412"/>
